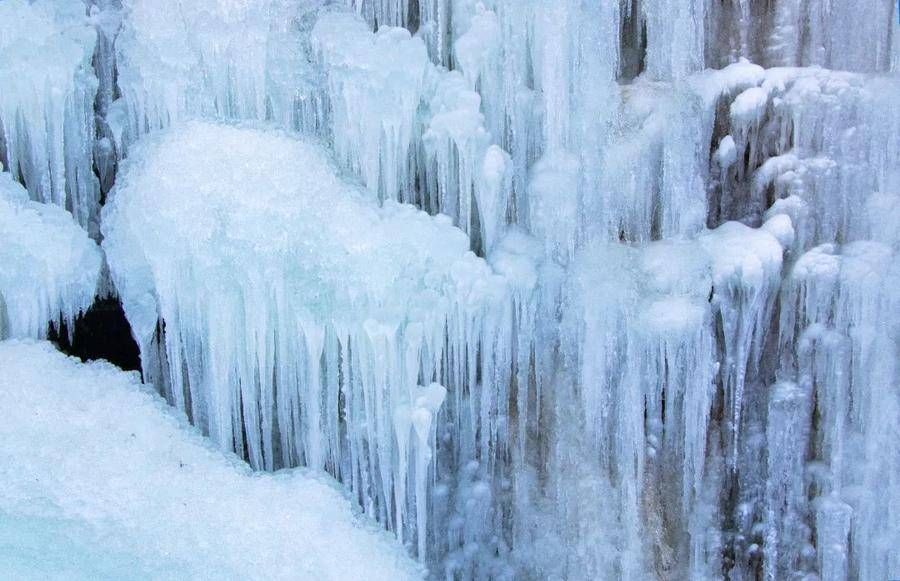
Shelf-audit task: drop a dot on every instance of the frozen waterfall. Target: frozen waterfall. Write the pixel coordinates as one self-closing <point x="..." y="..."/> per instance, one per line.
<point x="558" y="289"/>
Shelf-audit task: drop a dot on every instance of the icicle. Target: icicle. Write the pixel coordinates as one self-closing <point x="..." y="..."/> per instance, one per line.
<point x="643" y="335"/>
<point x="47" y="103"/>
<point x="675" y="37"/>
<point x="843" y="313"/>
<point x="375" y="82"/>
<point x="746" y="276"/>
<point x="832" y="531"/>
<point x="787" y="438"/>
<point x="217" y="59"/>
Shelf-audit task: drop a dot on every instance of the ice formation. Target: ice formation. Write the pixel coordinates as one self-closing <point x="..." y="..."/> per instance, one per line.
<point x="554" y="289"/>
<point x="323" y="310"/>
<point x="103" y="481"/>
<point x="49" y="268"/>
<point x="47" y="103"/>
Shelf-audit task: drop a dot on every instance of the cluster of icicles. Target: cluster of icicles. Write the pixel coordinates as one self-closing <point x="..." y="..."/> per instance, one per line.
<point x="692" y="369"/>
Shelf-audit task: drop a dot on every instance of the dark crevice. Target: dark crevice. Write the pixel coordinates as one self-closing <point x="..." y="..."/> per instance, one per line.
<point x="102" y="332"/>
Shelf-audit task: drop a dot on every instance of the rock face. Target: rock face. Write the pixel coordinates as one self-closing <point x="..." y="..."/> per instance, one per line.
<point x="553" y="289"/>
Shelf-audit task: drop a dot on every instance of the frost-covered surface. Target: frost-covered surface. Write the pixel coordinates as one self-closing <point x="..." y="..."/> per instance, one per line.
<point x="101" y="480"/>
<point x="49" y="268"/>
<point x="47" y="102"/>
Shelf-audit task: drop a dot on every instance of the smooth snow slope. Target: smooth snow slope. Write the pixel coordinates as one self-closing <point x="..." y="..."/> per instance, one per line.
<point x="99" y="479"/>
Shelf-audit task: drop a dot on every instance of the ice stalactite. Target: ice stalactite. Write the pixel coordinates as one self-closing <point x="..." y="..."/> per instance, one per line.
<point x="788" y="537"/>
<point x="798" y="33"/>
<point x="675" y="37"/>
<point x="746" y="267"/>
<point x="375" y="83"/>
<point x="49" y="267"/>
<point x="468" y="175"/>
<point x="47" y="103"/>
<point x="317" y="323"/>
<point x="811" y="144"/>
<point x="382" y="12"/>
<point x="651" y="186"/>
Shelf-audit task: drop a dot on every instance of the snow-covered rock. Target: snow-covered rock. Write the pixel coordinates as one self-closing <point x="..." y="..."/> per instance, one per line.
<point x="291" y="316"/>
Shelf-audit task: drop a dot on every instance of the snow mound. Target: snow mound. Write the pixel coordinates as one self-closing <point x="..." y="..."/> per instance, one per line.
<point x="221" y="205"/>
<point x="49" y="268"/>
<point x="47" y="102"/>
<point x="99" y="471"/>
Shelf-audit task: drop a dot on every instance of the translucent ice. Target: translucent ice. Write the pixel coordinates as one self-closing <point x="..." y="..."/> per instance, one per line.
<point x="375" y="82"/>
<point x="216" y="58"/>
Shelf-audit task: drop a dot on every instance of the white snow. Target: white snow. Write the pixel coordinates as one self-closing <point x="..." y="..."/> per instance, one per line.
<point x="49" y="267"/>
<point x="102" y="480"/>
